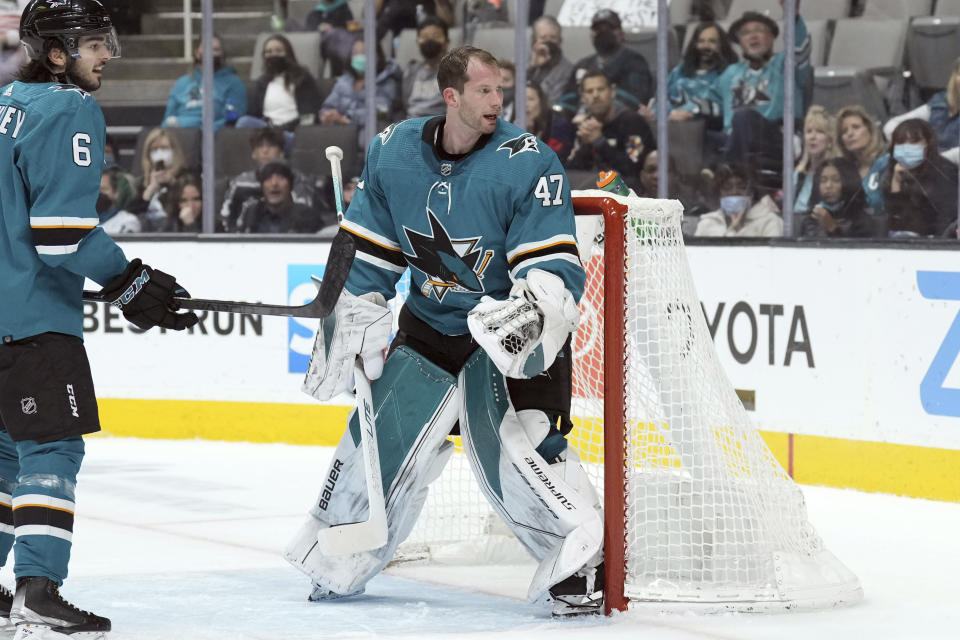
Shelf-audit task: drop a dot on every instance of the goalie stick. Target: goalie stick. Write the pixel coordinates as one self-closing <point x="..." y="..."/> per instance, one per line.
<point x="339" y="261"/>
<point x="353" y="537"/>
<point x="335" y="155"/>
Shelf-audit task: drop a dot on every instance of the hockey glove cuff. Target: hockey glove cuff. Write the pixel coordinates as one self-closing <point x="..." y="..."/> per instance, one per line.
<point x="147" y="298"/>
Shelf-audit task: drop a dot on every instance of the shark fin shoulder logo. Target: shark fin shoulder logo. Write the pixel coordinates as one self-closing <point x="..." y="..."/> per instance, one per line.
<point x="70" y="87"/>
<point x="450" y="264"/>
<point x="387" y="133"/>
<point x="523" y="142"/>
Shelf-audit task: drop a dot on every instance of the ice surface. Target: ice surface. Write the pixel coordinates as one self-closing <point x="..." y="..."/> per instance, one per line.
<point x="182" y="539"/>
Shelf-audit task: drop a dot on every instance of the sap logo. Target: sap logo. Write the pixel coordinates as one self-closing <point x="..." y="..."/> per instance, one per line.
<point x="936" y="399"/>
<point x="300" y="331"/>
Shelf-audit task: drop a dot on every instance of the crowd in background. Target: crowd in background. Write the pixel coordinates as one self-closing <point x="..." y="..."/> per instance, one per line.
<point x="854" y="175"/>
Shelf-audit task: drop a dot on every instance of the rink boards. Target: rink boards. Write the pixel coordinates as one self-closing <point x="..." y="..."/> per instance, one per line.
<point x="844" y="356"/>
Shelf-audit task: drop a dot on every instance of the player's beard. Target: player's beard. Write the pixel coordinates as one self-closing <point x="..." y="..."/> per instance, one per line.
<point x="88" y="83"/>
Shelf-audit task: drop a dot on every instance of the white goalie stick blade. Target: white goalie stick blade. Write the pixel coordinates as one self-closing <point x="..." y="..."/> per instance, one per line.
<point x="354" y="537"/>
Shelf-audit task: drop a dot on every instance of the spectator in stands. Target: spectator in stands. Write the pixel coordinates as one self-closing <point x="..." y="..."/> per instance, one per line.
<point x="751" y="91"/>
<point x="421" y="96"/>
<point x="329" y="14"/>
<point x="861" y="142"/>
<point x="819" y="145"/>
<point x="609" y="136"/>
<point x="349" y="189"/>
<point x="838" y="206"/>
<point x="740" y="213"/>
<point x="508" y="84"/>
<point x="485" y="12"/>
<point x="12" y="56"/>
<point x="185" y="104"/>
<point x="692" y="84"/>
<point x="919" y="185"/>
<point x="626" y="68"/>
<point x="113" y="218"/>
<point x="111" y="155"/>
<point x="397" y="15"/>
<point x="647" y="186"/>
<point x="285" y="95"/>
<point x="186" y="204"/>
<point x="266" y="145"/>
<point x="276" y="211"/>
<point x="547" y="124"/>
<point x="161" y="163"/>
<point x="943" y="114"/>
<point x="549" y="68"/>
<point x="347" y="101"/>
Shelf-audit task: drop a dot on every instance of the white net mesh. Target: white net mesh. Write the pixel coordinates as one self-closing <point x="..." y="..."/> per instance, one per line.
<point x="711" y="516"/>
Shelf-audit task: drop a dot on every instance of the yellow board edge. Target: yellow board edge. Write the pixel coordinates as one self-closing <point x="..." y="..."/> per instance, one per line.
<point x="918" y="472"/>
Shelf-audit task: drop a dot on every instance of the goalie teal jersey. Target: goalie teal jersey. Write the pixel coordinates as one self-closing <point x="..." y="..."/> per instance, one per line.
<point x="51" y="148"/>
<point x="466" y="227"/>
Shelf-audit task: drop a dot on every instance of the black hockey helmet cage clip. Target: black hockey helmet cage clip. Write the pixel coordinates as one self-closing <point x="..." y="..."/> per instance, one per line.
<point x="66" y="21"/>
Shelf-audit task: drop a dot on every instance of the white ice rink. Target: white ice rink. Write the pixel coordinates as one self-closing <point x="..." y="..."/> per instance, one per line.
<point x="182" y="539"/>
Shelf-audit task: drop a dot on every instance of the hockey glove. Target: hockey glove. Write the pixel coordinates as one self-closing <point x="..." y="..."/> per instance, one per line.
<point x="147" y="298"/>
<point x="523" y="333"/>
<point x="358" y="326"/>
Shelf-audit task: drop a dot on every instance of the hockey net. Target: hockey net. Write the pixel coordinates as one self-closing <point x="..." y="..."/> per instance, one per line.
<point x="699" y="513"/>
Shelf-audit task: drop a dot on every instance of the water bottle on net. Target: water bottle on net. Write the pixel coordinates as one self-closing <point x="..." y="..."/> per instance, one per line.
<point x="612" y="182"/>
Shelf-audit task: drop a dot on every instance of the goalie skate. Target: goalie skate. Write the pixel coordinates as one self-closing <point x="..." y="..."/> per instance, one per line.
<point x="579" y="595"/>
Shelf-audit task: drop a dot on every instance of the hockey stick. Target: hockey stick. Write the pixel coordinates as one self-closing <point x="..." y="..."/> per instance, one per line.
<point x="342" y="252"/>
<point x="353" y="537"/>
<point x="335" y="155"/>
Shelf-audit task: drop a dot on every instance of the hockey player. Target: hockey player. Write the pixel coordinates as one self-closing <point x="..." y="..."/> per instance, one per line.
<point x="480" y="212"/>
<point x="52" y="137"/>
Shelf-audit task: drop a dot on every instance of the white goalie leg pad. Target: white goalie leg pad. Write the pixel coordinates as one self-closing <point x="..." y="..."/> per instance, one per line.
<point x="553" y="509"/>
<point x="523" y="334"/>
<point x="416" y="406"/>
<point x="359" y="325"/>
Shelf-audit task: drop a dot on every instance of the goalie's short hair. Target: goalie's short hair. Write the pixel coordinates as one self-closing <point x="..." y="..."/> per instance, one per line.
<point x="452" y="71"/>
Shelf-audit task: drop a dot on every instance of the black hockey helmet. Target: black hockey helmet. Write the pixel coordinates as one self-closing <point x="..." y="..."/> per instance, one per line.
<point x="66" y="21"/>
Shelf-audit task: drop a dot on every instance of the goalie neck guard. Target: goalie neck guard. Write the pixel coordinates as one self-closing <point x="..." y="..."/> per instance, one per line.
<point x="65" y="21"/>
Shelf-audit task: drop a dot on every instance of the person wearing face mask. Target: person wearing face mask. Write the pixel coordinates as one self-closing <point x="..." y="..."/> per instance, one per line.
<point x="549" y="68"/>
<point x="420" y="94"/>
<point x="943" y="114"/>
<point x="113" y="218"/>
<point x="751" y="91"/>
<point x="692" y="84"/>
<point x="625" y="67"/>
<point x="161" y="162"/>
<point x="919" y="185"/>
<point x="185" y="104"/>
<point x="838" y="203"/>
<point x="285" y="95"/>
<point x="740" y="214"/>
<point x="347" y="101"/>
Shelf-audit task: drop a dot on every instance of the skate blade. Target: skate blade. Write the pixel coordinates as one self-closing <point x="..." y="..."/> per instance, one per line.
<point x="40" y="632"/>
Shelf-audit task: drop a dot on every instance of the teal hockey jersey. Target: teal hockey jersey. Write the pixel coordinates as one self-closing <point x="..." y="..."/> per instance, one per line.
<point x="466" y="227"/>
<point x="51" y="148"/>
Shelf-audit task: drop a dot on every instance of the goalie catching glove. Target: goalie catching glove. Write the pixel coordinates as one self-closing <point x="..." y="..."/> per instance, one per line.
<point x="358" y="326"/>
<point x="523" y="333"/>
<point x="148" y="298"/>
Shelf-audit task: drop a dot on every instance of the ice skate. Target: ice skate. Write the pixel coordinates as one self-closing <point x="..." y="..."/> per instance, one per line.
<point x="6" y="602"/>
<point x="41" y="613"/>
<point x="322" y="594"/>
<point x="580" y="594"/>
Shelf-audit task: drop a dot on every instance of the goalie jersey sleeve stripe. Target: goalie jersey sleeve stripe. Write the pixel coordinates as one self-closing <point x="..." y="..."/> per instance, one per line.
<point x="377" y="252"/>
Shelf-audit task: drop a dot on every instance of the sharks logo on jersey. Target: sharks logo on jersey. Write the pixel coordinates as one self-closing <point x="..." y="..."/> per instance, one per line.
<point x="70" y="87"/>
<point x="387" y="133"/>
<point x="746" y="94"/>
<point x="450" y="264"/>
<point x="526" y="142"/>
